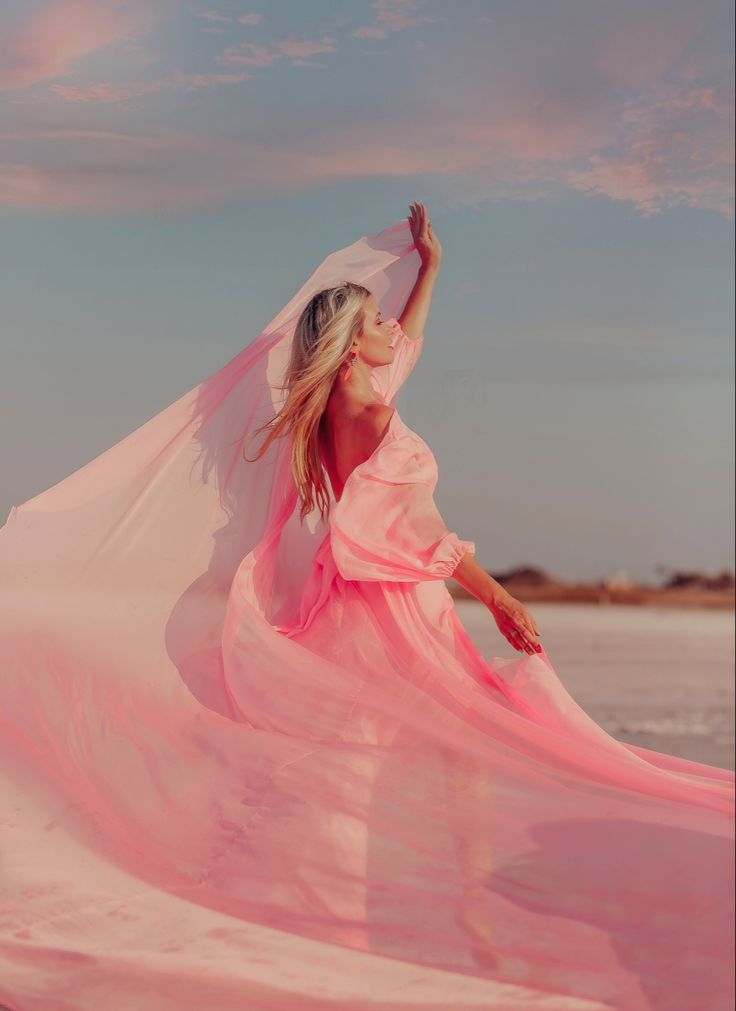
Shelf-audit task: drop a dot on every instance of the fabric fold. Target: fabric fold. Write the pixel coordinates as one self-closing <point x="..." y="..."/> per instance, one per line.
<point x="386" y="525"/>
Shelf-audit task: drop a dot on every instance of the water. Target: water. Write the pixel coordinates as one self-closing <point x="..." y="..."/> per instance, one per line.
<point x="662" y="678"/>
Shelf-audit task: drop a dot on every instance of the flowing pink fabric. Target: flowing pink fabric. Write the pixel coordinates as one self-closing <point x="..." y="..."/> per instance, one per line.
<point x="253" y="764"/>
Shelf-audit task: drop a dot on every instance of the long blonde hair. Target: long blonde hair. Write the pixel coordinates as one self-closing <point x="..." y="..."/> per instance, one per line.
<point x="327" y="327"/>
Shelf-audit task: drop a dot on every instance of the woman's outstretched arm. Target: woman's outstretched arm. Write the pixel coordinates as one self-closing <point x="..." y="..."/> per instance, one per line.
<point x="512" y="618"/>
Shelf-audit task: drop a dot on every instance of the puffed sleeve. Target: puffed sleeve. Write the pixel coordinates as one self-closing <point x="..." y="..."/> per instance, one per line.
<point x="386" y="525"/>
<point x="389" y="378"/>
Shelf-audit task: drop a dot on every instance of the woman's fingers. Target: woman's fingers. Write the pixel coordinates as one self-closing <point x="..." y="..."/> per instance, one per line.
<point x="424" y="217"/>
<point x="519" y="635"/>
<point x="516" y="624"/>
<point x="529" y="646"/>
<point x="523" y="626"/>
<point x="420" y="215"/>
<point x="529" y="625"/>
<point x="519" y="642"/>
<point x="415" y="219"/>
<point x="524" y="635"/>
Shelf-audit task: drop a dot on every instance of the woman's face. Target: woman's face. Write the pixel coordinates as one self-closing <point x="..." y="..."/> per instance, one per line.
<point x="377" y="337"/>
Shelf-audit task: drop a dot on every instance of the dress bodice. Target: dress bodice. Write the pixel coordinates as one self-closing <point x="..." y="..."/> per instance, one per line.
<point x="386" y="525"/>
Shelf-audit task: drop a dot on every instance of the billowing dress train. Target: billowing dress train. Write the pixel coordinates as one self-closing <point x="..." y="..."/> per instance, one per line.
<point x="280" y="775"/>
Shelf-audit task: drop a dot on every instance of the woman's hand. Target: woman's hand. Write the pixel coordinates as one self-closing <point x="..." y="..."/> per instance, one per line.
<point x="512" y="618"/>
<point x="515" y="622"/>
<point x="427" y="243"/>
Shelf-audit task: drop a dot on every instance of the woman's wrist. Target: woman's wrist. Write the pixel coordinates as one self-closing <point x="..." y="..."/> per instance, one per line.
<point x="474" y="578"/>
<point x="493" y="592"/>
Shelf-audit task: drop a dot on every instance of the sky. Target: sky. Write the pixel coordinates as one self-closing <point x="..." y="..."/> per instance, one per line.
<point x="171" y="172"/>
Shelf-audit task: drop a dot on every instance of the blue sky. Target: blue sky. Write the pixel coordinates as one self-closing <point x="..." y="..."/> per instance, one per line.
<point x="170" y="173"/>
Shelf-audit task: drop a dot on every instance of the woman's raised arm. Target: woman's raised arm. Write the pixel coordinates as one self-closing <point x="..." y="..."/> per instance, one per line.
<point x="416" y="310"/>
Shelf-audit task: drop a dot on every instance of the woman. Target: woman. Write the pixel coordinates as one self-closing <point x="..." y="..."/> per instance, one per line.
<point x="355" y="419"/>
<point x="383" y="561"/>
<point x="242" y="699"/>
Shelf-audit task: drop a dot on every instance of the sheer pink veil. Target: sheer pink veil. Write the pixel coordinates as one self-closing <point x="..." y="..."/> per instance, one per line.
<point x="147" y="537"/>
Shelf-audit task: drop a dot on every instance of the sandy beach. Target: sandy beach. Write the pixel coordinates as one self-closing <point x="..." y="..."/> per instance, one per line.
<point x="659" y="677"/>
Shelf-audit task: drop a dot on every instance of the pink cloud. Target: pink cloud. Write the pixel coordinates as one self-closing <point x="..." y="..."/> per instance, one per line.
<point x="517" y="153"/>
<point x="214" y="16"/>
<point x="369" y="32"/>
<point x="676" y="151"/>
<point x="244" y="19"/>
<point x="294" y="45"/>
<point x="394" y="16"/>
<point x="71" y="170"/>
<point x="47" y="43"/>
<point x="104" y="93"/>
<point x="195" y="82"/>
<point x="251" y="55"/>
<point x="247" y="54"/>
<point x="615" y="103"/>
<point x="124" y="94"/>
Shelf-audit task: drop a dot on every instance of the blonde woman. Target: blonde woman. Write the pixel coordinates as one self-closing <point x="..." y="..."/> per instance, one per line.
<point x="387" y="544"/>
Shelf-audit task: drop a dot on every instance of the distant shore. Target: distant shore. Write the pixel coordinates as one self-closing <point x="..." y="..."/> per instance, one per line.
<point x="684" y="590"/>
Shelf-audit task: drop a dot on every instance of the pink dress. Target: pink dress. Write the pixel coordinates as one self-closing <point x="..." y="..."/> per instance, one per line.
<point x="376" y="593"/>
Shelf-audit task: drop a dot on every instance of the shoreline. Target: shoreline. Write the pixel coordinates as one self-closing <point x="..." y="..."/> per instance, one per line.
<point x="643" y="596"/>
